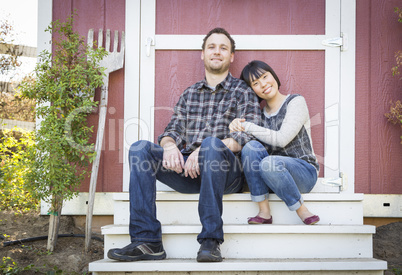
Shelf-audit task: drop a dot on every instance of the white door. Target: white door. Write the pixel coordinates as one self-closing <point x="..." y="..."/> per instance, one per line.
<point x="337" y="44"/>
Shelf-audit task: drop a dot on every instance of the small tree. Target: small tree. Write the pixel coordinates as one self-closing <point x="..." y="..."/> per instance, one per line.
<point x="10" y="59"/>
<point x="64" y="89"/>
<point x="11" y="104"/>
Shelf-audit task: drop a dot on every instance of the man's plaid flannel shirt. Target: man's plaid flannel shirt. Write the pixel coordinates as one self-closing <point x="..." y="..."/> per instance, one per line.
<point x="202" y="112"/>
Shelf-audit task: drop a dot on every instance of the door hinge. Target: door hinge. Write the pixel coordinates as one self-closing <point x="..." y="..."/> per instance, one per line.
<point x="341" y="41"/>
<point x="341" y="182"/>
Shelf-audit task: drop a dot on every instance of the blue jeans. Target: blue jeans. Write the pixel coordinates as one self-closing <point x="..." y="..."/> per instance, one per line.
<point x="220" y="173"/>
<point x="287" y="177"/>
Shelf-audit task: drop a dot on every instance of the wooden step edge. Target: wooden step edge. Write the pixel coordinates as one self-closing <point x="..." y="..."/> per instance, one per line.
<point x="176" y="196"/>
<point x="254" y="229"/>
<point x="352" y="264"/>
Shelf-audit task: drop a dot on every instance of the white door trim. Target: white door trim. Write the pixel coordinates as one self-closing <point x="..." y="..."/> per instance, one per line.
<point x="332" y="90"/>
<point x="245" y="42"/>
<point x="347" y="97"/>
<point x="131" y="82"/>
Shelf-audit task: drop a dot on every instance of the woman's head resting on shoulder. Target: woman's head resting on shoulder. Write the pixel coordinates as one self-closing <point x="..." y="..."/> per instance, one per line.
<point x="255" y="69"/>
<point x="257" y="74"/>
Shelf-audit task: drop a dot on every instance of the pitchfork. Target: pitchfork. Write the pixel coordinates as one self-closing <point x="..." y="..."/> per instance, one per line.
<point x="112" y="62"/>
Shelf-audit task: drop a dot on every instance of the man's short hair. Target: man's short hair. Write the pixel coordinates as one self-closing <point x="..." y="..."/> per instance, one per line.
<point x="220" y="31"/>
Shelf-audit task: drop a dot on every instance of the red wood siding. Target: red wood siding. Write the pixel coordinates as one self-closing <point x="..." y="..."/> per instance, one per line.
<point x="105" y="14"/>
<point x="378" y="152"/>
<point x="378" y="37"/>
<point x="241" y="17"/>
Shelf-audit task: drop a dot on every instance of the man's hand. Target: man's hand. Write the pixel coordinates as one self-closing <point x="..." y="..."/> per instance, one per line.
<point x="172" y="157"/>
<point x="191" y="168"/>
<point x="235" y="125"/>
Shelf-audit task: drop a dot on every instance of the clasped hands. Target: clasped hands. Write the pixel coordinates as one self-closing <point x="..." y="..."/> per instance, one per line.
<point x="173" y="160"/>
<point x="236" y="125"/>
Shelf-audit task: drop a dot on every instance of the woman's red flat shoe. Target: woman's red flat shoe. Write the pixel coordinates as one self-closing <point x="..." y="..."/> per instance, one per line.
<point x="258" y="220"/>
<point x="311" y="220"/>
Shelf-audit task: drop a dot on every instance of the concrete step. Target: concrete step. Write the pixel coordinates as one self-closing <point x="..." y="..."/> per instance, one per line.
<point x="333" y="208"/>
<point x="262" y="241"/>
<point x="346" y="266"/>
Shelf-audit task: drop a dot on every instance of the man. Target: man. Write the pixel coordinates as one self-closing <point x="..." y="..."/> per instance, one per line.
<point x="196" y="154"/>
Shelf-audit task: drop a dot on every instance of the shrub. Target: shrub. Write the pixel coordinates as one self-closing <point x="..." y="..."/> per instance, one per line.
<point x="13" y="106"/>
<point x="395" y="113"/>
<point x="14" y="146"/>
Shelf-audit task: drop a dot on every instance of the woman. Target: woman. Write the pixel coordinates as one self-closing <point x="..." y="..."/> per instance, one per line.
<point x="282" y="158"/>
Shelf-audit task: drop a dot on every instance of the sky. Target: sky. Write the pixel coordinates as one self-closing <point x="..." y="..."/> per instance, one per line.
<point x="23" y="16"/>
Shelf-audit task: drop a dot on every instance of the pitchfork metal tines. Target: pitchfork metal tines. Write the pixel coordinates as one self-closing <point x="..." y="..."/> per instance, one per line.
<point x="114" y="60"/>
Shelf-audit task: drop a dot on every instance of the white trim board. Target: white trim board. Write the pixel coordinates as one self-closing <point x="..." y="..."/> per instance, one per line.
<point x="44" y="40"/>
<point x="382" y="206"/>
<point x="245" y="42"/>
<point x="131" y="81"/>
<point x="103" y="205"/>
<point x="374" y="206"/>
<point x="45" y="17"/>
<point x="347" y="96"/>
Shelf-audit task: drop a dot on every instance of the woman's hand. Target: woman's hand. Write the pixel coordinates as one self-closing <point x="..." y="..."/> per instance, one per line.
<point x="235" y="125"/>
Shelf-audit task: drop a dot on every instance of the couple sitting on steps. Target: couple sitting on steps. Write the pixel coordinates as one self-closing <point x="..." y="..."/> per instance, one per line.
<point x="217" y="133"/>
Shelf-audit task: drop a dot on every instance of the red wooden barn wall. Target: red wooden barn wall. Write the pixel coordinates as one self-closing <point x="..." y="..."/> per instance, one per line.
<point x="378" y="152"/>
<point x="378" y="35"/>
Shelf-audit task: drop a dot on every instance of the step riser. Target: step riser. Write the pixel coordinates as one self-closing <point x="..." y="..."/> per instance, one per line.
<point x="237" y="212"/>
<point x="349" y="266"/>
<point x="318" y="188"/>
<point x="265" y="246"/>
<point x="349" y="272"/>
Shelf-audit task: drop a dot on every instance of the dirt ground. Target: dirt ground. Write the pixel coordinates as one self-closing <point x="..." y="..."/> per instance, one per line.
<point x="69" y="256"/>
<point x="387" y="245"/>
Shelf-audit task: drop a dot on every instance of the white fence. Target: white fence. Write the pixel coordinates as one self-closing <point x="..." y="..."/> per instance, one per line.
<point x="10" y="124"/>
